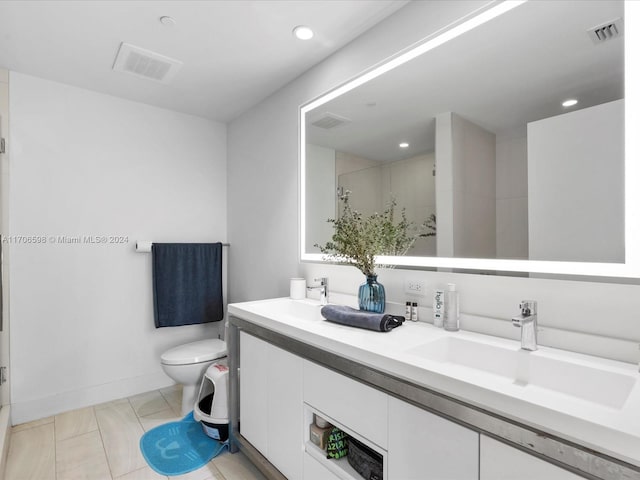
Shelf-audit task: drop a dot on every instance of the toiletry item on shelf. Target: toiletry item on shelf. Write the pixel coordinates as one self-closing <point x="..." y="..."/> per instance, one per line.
<point x="320" y="422"/>
<point x="364" y="460"/>
<point x="337" y="446"/>
<point x="452" y="309"/>
<point x="438" y="308"/>
<point x="319" y="436"/>
<point x="407" y="311"/>
<point x="414" y="311"/>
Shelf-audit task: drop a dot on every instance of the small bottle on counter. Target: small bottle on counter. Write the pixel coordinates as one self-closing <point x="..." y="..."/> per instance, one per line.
<point x="407" y="311"/>
<point x="438" y="308"/>
<point x="452" y="309"/>
<point x="414" y="311"/>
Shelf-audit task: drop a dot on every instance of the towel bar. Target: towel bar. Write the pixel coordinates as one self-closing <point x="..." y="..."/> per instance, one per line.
<point x="145" y="246"/>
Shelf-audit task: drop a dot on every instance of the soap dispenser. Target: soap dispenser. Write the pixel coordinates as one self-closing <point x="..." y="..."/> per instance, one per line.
<point x="452" y="309"/>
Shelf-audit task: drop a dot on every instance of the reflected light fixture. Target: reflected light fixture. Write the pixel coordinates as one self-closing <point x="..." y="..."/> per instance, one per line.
<point x="403" y="145"/>
<point x="570" y="102"/>
<point x="302" y="32"/>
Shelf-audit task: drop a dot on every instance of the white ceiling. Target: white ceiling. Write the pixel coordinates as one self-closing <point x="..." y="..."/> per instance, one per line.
<point x="515" y="69"/>
<point x="235" y="52"/>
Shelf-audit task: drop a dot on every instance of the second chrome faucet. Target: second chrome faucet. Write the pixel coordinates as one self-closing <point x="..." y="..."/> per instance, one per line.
<point x="527" y="321"/>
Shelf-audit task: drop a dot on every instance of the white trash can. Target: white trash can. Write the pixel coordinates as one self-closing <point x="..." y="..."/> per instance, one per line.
<point x="211" y="407"/>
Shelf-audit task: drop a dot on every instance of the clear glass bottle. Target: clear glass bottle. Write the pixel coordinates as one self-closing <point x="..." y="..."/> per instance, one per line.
<point x="452" y="309"/>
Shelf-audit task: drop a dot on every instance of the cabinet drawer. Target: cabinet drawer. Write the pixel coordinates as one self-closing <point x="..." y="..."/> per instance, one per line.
<point x="502" y="462"/>
<point x="361" y="408"/>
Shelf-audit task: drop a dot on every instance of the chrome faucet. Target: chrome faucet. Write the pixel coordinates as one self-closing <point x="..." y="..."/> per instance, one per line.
<point x="528" y="322"/>
<point x="324" y="289"/>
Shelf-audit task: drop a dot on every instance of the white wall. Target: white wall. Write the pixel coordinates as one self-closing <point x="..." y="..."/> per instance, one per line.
<point x="412" y="183"/>
<point x="5" y="389"/>
<point x="512" y="225"/>
<point x="465" y="188"/>
<point x="474" y="184"/>
<point x="576" y="185"/>
<point x="409" y="181"/>
<point x="263" y="175"/>
<point x="84" y="163"/>
<point x="365" y="187"/>
<point x="321" y="187"/>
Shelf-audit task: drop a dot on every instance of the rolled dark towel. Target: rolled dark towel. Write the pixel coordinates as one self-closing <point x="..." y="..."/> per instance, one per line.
<point x="358" y="318"/>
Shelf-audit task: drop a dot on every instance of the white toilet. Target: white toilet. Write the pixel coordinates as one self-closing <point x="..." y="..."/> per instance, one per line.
<point x="187" y="363"/>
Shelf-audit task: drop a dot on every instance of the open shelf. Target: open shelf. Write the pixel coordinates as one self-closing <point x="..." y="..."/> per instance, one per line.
<point x="339" y="467"/>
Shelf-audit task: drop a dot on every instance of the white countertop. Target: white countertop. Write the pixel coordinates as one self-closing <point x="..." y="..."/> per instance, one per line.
<point x="610" y="428"/>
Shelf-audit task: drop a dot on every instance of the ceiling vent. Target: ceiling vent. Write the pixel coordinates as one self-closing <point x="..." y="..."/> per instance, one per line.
<point x="145" y="63"/>
<point x="606" y="31"/>
<point x="330" y="120"/>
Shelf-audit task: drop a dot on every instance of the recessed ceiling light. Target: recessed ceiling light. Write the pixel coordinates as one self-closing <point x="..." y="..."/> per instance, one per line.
<point x="303" y="32"/>
<point x="570" y="103"/>
<point x="167" y="21"/>
<point x="403" y="145"/>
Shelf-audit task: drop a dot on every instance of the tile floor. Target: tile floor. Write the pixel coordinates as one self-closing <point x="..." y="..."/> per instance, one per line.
<point x="101" y="443"/>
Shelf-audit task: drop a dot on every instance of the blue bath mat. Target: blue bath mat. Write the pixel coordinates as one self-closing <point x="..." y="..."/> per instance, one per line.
<point x="180" y="447"/>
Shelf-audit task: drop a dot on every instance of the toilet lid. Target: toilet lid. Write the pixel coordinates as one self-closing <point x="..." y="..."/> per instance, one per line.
<point x="195" y="352"/>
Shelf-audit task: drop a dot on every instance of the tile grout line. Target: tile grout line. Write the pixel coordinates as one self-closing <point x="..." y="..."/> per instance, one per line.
<point x="137" y="418"/>
<point x="55" y="450"/>
<point x="142" y="426"/>
<point x="93" y="408"/>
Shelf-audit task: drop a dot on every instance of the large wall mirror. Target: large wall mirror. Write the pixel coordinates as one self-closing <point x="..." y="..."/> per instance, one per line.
<point x="509" y="134"/>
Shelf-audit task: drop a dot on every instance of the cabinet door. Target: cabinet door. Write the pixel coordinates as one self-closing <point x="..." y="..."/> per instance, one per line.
<point x="284" y="411"/>
<point x="499" y="461"/>
<point x="424" y="446"/>
<point x="357" y="406"/>
<point x="253" y="391"/>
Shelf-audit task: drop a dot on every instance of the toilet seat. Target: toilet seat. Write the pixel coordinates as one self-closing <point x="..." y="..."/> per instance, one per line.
<point x="195" y="352"/>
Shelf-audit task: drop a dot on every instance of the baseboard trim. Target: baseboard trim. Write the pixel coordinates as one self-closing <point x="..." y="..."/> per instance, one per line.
<point x="22" y="412"/>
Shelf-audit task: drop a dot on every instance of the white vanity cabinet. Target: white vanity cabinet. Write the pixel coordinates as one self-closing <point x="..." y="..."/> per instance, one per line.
<point x="499" y="461"/>
<point x="271" y="406"/>
<point x="423" y="445"/>
<point x="281" y="392"/>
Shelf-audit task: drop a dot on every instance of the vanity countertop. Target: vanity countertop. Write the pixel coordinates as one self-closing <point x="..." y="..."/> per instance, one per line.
<point x="599" y="411"/>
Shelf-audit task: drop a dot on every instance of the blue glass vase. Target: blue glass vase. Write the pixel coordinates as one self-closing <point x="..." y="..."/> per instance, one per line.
<point x="371" y="295"/>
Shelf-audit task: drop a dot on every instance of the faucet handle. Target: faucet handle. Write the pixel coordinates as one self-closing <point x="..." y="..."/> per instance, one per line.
<point x="322" y="280"/>
<point x="528" y="308"/>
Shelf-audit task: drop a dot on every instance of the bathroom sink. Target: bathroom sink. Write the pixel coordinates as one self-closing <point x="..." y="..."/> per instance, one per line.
<point x="285" y="308"/>
<point x="540" y="373"/>
<point x="470" y="354"/>
<point x="303" y="309"/>
<point x="591" y="382"/>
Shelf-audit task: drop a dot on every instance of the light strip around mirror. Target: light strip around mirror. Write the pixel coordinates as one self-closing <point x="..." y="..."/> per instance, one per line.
<point x="632" y="171"/>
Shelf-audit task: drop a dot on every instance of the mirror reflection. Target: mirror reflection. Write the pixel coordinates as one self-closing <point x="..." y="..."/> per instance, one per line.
<point x="480" y="134"/>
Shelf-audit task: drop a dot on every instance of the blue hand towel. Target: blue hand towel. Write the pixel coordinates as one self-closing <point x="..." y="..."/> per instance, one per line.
<point x="187" y="283"/>
<point x="358" y="318"/>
